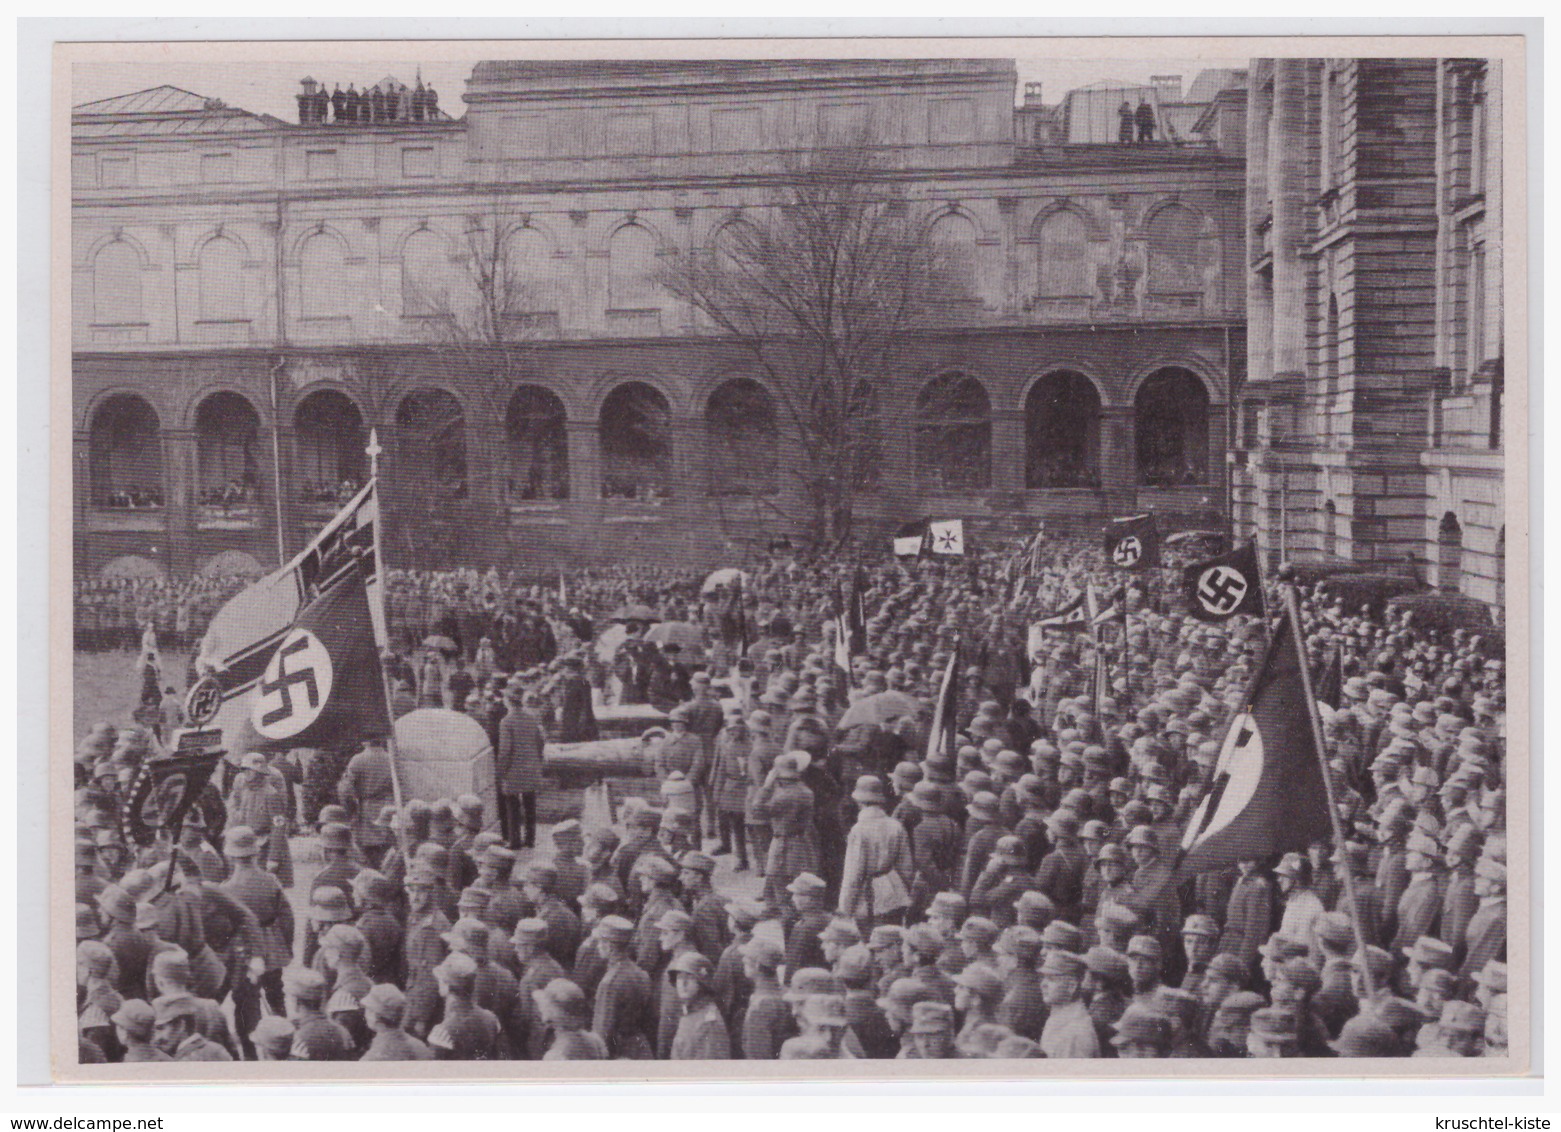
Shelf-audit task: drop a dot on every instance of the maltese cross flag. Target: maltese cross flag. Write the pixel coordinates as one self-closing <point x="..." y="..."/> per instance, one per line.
<point x="948" y="536"/>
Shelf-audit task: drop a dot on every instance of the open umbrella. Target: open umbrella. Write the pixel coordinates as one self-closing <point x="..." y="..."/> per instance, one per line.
<point x="636" y="611"/>
<point x="685" y="634"/>
<point x="725" y="576"/>
<point x="880" y="708"/>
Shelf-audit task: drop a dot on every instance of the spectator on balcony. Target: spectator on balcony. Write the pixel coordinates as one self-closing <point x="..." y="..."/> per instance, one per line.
<point x="1144" y="116"/>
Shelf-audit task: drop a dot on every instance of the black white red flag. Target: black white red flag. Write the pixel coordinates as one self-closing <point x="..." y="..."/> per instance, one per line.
<point x="244" y="634"/>
<point x="1133" y="543"/>
<point x="1267" y="795"/>
<point x="1221" y="587"/>
<point x="322" y="685"/>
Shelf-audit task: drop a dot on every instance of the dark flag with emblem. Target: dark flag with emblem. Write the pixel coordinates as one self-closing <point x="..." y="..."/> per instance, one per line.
<point x="941" y="739"/>
<point x="244" y="633"/>
<point x="1328" y="687"/>
<point x="1221" y="587"/>
<point x="1267" y="795"/>
<point x="1133" y="543"/>
<point x="322" y="686"/>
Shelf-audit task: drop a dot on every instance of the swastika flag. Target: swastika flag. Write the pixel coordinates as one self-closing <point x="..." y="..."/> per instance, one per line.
<point x="1133" y="543"/>
<point x="1220" y="588"/>
<point x="321" y="685"/>
<point x="1267" y="793"/>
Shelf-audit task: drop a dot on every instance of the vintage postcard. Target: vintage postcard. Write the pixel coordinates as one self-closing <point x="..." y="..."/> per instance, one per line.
<point x="607" y="560"/>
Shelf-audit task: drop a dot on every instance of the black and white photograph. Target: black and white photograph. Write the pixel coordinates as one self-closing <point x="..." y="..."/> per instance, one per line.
<point x="726" y="554"/>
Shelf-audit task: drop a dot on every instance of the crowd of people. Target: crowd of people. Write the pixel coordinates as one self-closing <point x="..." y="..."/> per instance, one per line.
<point x="373" y="105"/>
<point x="802" y="889"/>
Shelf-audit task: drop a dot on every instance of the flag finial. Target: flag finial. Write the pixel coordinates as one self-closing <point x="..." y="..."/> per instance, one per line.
<point x="373" y="451"/>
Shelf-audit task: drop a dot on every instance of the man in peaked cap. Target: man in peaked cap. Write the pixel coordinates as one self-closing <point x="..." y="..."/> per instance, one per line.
<point x="1069" y="1031"/>
<point x="535" y="967"/>
<point x="625" y="1011"/>
<point x="1146" y="963"/>
<point x="1142" y="1032"/>
<point x="384" y="1010"/>
<point x="134" y="1024"/>
<point x="177" y="1034"/>
<point x="931" y="1033"/>
<point x="700" y="1033"/>
<point x="423" y="948"/>
<point x="315" y="1037"/>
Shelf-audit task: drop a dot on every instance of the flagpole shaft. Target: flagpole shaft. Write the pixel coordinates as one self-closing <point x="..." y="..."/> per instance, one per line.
<point x="380" y="568"/>
<point x="1293" y="611"/>
<point x="276" y="472"/>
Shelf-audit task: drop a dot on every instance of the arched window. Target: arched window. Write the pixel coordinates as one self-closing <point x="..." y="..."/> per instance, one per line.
<point x="631" y="270"/>
<point x="220" y="271"/>
<point x="1175" y="267"/>
<point x="1062" y="432"/>
<point x="536" y="446"/>
<point x="330" y="440"/>
<point x="124" y="454"/>
<point x="954" y="434"/>
<point x="636" y="441"/>
<point x="1064" y="256"/>
<point x="734" y="245"/>
<point x="227" y="451"/>
<point x="741" y="439"/>
<point x="322" y="274"/>
<point x="425" y="274"/>
<point x="431" y="443"/>
<point x="957" y="256"/>
<point x="116" y="284"/>
<point x="1449" y="555"/>
<point x="1172" y="427"/>
<point x="531" y="272"/>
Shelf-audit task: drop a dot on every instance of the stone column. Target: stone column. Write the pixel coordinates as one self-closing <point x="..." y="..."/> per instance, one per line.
<point x="179" y="499"/>
<point x="1118" y="458"/>
<point x="1008" y="450"/>
<point x="281" y="493"/>
<point x="689" y="479"/>
<point x="1289" y="233"/>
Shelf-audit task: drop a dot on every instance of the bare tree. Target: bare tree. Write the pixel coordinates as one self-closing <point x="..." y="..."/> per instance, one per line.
<point x="820" y="291"/>
<point x="480" y="307"/>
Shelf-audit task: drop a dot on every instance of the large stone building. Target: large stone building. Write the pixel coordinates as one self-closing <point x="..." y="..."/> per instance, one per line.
<point x="253" y="296"/>
<point x="1370" y="425"/>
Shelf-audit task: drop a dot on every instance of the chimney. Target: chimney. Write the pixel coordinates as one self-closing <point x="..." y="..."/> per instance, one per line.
<point x="1168" y="87"/>
<point x="306" y="100"/>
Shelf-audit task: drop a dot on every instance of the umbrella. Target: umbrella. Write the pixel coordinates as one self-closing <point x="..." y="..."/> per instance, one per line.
<point x="880" y="708"/>
<point x="442" y="643"/>
<point x="636" y="612"/>
<point x="725" y="576"/>
<point x="684" y="634"/>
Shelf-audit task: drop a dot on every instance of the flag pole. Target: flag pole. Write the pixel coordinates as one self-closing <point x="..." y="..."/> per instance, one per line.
<point x="276" y="467"/>
<point x="373" y="452"/>
<point x="1293" y="612"/>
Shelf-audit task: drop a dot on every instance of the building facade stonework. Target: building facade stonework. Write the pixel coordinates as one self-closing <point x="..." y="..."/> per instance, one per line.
<point x="1369" y="430"/>
<point x="252" y="297"/>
